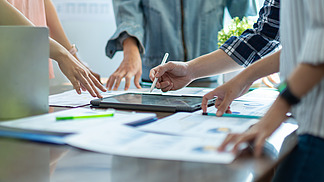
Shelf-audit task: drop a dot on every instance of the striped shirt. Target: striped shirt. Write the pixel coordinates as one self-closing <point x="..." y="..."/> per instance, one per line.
<point x="255" y="43"/>
<point x="302" y="39"/>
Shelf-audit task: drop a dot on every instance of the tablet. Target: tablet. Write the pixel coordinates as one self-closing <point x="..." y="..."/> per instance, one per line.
<point x="151" y="102"/>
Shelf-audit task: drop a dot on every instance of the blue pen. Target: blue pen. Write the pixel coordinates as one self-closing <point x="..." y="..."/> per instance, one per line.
<point x="234" y="115"/>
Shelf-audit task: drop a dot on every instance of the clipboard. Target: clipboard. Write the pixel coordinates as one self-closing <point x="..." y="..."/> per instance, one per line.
<point x="151" y="102"/>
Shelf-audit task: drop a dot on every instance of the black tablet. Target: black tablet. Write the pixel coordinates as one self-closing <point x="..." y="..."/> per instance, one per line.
<point x="151" y="102"/>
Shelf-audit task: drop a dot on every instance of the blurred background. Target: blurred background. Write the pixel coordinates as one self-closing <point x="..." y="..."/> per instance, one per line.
<point x="89" y="24"/>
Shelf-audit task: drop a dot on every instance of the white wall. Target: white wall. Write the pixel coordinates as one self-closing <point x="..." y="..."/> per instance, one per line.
<point x="89" y="24"/>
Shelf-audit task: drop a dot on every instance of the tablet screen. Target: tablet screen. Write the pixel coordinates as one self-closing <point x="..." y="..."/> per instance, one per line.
<point x="154" y="99"/>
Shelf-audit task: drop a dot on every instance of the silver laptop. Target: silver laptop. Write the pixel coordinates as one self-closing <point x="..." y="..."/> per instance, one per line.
<point x="24" y="79"/>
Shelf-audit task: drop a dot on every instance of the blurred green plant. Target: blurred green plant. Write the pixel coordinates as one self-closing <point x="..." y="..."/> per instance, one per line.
<point x="235" y="28"/>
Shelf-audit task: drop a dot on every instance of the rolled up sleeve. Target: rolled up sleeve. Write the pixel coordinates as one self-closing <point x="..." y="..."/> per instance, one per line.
<point x="129" y="22"/>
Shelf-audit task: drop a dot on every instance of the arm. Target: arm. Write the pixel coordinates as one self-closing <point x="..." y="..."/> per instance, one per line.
<point x="235" y="53"/>
<point x="11" y="16"/>
<point x="240" y="84"/>
<point x="56" y="30"/>
<point x="308" y="74"/>
<point x="259" y="41"/>
<point x="75" y="72"/>
<point x="302" y="80"/>
<point x="128" y="37"/>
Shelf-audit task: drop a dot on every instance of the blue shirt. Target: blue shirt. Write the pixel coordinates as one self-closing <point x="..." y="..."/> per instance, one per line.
<point x="259" y="41"/>
<point x="186" y="29"/>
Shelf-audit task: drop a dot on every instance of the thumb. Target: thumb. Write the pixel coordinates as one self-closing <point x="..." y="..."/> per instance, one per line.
<point x="164" y="68"/>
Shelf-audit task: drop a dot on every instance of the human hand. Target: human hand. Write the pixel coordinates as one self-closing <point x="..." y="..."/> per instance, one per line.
<point x="256" y="135"/>
<point x="96" y="75"/>
<point x="80" y="76"/>
<point x="225" y="94"/>
<point x="259" y="132"/>
<point x="129" y="67"/>
<point x="171" y="76"/>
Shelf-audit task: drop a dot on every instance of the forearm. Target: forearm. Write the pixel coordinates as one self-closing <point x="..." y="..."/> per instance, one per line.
<point x="214" y="63"/>
<point x="57" y="51"/>
<point x="262" y="68"/>
<point x="11" y="16"/>
<point x="304" y="78"/>
<point x="55" y="26"/>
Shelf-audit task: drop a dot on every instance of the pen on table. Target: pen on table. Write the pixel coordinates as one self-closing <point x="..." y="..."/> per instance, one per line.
<point x="60" y="118"/>
<point x="166" y="55"/>
<point x="234" y="115"/>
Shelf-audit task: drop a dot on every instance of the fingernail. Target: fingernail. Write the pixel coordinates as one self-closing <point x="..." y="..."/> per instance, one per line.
<point x="219" y="113"/>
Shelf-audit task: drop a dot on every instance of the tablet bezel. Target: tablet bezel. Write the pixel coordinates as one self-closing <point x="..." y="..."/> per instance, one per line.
<point x="98" y="103"/>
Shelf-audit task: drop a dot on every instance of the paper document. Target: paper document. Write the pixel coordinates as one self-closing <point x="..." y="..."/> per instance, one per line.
<point x="253" y="108"/>
<point x="260" y="94"/>
<point x="127" y="141"/>
<point x="72" y="99"/>
<point x="194" y="124"/>
<point x="48" y="122"/>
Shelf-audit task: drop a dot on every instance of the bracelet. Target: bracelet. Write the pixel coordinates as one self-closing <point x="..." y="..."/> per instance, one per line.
<point x="73" y="50"/>
<point x="286" y="94"/>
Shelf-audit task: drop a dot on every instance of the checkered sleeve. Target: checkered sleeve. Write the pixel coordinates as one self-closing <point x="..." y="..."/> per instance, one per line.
<point x="255" y="43"/>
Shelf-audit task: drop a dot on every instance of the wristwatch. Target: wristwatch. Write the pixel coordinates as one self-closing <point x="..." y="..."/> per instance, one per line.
<point x="286" y="94"/>
<point x="73" y="50"/>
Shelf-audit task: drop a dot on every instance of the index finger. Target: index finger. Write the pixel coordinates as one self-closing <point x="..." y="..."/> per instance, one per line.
<point x="204" y="102"/>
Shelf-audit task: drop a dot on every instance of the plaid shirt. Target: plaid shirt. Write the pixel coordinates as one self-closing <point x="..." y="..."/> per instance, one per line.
<point x="259" y="41"/>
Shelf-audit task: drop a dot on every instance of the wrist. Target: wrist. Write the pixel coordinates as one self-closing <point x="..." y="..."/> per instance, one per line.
<point x="286" y="94"/>
<point x="130" y="45"/>
<point x="73" y="50"/>
<point x="191" y="71"/>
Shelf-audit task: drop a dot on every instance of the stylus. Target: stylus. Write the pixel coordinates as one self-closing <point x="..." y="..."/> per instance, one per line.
<point x="166" y="55"/>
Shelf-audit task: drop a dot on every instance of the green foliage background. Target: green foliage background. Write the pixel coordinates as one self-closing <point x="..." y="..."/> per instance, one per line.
<point x="235" y="28"/>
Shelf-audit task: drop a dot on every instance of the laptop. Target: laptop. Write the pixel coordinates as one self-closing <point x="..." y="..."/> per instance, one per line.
<point x="24" y="79"/>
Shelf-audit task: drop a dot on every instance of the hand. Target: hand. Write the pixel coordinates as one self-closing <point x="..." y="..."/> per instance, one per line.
<point x="259" y="132"/>
<point x="96" y="75"/>
<point x="171" y="76"/>
<point x="80" y="76"/>
<point x="129" y="67"/>
<point x="226" y="93"/>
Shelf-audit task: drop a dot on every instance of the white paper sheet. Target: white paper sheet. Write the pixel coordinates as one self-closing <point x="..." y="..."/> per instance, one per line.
<point x="123" y="140"/>
<point x="260" y="94"/>
<point x="253" y="108"/>
<point x="72" y="99"/>
<point x="194" y="124"/>
<point x="48" y="122"/>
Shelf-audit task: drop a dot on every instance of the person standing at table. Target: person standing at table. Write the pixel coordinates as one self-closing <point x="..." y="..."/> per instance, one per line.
<point x="147" y="29"/>
<point x="301" y="65"/>
<point x="43" y="13"/>
<point x="233" y="55"/>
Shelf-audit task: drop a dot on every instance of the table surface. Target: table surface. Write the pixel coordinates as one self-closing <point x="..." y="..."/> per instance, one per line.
<point x="38" y="162"/>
